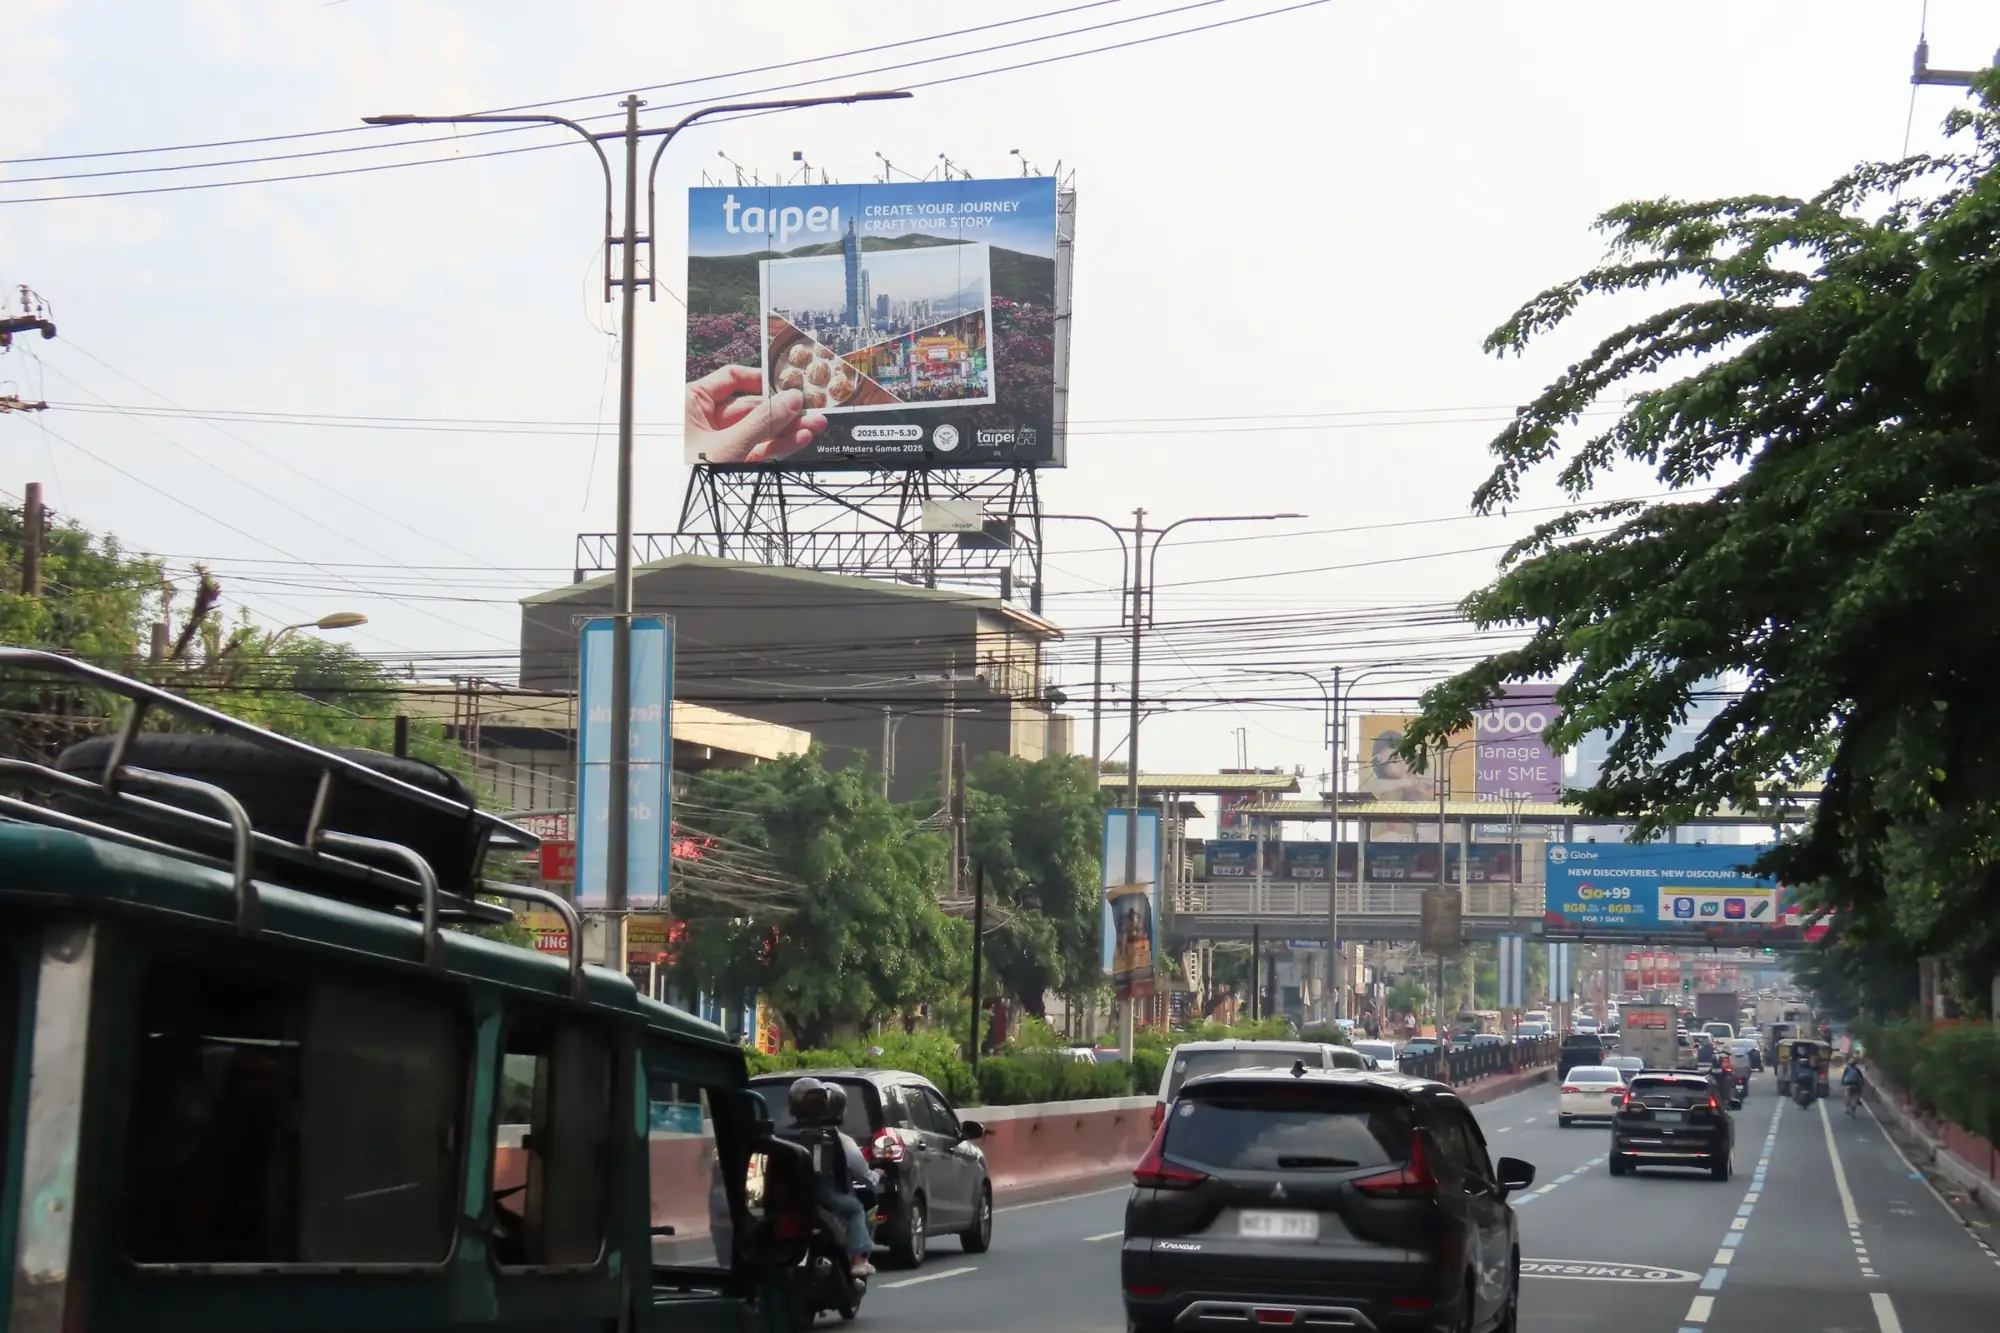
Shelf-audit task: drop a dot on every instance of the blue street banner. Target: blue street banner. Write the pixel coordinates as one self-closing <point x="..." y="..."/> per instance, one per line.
<point x="1663" y="890"/>
<point x="650" y="789"/>
<point x="1561" y="990"/>
<point x="1400" y="862"/>
<point x="1511" y="971"/>
<point x="1131" y="913"/>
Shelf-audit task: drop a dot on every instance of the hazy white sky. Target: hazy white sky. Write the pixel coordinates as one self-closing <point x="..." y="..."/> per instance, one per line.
<point x="1318" y="212"/>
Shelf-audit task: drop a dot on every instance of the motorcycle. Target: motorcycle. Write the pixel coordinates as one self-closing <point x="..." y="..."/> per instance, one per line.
<point x="823" y="1281"/>
<point x="1804" y="1092"/>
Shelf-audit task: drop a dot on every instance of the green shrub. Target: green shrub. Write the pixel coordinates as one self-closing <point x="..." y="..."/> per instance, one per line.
<point x="931" y="1054"/>
<point x="1015" y="1080"/>
<point x="1959" y="1071"/>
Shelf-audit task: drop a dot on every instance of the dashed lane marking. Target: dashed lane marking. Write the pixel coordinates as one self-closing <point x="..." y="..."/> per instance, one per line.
<point x="931" y="1277"/>
<point x="1699" y="1307"/>
<point x="1885" y="1313"/>
<point x="1104" y="1235"/>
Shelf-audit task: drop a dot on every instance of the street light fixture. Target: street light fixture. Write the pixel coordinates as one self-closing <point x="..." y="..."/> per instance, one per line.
<point x="1138" y="560"/>
<point x="618" y="815"/>
<point x="334" y="620"/>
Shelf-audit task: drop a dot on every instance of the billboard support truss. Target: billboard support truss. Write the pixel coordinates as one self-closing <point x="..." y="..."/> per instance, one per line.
<point x="869" y="524"/>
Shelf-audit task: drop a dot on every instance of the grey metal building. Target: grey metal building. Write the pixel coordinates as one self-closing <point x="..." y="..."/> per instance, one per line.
<point x="848" y="660"/>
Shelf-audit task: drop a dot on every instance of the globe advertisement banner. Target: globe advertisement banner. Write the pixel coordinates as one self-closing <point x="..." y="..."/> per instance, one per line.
<point x="910" y="324"/>
<point x="1664" y="891"/>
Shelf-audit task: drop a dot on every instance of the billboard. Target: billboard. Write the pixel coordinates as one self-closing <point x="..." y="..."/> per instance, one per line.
<point x="1663" y="890"/>
<point x="909" y="324"/>
<point x="649" y="787"/>
<point x="1131" y="915"/>
<point x="1512" y="759"/>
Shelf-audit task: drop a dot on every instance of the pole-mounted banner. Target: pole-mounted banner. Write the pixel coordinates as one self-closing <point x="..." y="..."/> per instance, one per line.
<point x="648" y="864"/>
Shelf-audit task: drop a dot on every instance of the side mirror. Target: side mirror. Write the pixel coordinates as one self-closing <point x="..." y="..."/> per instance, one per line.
<point x="778" y="1203"/>
<point x="1514" y="1174"/>
<point x="971" y="1129"/>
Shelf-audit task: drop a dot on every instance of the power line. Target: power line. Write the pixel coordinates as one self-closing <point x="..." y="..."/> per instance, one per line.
<point x="561" y="101"/>
<point x="531" y="148"/>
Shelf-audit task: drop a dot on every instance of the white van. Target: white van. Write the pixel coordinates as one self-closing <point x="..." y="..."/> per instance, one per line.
<point x="1195" y="1058"/>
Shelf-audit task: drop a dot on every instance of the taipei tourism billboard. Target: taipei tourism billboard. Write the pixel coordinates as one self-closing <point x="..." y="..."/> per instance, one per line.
<point x="900" y="325"/>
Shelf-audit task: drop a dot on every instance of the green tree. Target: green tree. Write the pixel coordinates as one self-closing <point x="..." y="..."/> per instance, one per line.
<point x="1841" y="411"/>
<point x="866" y="939"/>
<point x="1037" y="829"/>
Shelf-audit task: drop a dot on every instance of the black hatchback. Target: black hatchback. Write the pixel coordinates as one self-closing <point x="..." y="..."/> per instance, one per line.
<point x="935" y="1180"/>
<point x="1322" y="1199"/>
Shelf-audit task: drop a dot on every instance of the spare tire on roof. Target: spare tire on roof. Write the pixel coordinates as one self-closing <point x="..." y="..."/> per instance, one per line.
<point x="276" y="790"/>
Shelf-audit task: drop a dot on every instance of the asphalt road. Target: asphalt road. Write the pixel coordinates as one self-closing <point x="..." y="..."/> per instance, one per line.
<point x="1794" y="1242"/>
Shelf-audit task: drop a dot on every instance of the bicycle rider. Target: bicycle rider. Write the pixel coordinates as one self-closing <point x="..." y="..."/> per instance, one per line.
<point x="1851" y="1079"/>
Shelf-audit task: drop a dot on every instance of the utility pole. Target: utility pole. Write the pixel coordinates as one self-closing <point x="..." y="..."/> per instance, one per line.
<point x="1132" y="753"/>
<point x="1336" y="969"/>
<point x="1138" y="557"/>
<point x="32" y="522"/>
<point x="1923" y="74"/>
<point x="888" y="739"/>
<point x="978" y="929"/>
<point x="618" y="816"/>
<point x="948" y="778"/>
<point x="957" y="807"/>
<point x="1097" y="707"/>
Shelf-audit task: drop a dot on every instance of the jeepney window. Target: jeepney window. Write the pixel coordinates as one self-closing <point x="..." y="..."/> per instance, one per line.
<point x="687" y="1189"/>
<point x="552" y="1147"/>
<point x="291" y="1120"/>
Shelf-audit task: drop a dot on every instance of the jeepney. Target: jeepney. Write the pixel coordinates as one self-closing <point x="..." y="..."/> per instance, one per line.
<point x="256" y="1078"/>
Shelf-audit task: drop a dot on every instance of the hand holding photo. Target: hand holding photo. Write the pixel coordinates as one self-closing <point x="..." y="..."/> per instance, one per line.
<point x="730" y="420"/>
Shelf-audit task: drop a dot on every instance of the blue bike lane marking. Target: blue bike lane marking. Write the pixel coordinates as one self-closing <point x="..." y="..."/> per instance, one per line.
<point x="1702" y="1305"/>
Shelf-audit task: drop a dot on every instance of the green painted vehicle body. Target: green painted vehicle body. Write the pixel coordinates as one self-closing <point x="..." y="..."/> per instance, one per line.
<point x="292" y="1112"/>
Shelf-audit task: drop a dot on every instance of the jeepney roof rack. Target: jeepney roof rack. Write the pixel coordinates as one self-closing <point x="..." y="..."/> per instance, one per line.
<point x="372" y="872"/>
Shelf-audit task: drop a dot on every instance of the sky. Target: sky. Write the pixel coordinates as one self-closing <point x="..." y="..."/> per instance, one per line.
<point x="1294" y="230"/>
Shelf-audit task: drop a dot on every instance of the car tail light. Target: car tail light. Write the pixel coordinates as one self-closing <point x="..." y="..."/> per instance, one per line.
<point x="885" y="1147"/>
<point x="1413" y="1181"/>
<point x="1714" y="1105"/>
<point x="1157" y="1173"/>
<point x="1571" y="1087"/>
<point x="1159" y="1115"/>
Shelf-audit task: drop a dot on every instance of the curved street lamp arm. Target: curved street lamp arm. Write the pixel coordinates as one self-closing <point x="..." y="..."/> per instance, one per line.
<point x="666" y="136"/>
<point x="587" y="136"/>
<point x="1154" y="554"/>
<point x="1124" y="547"/>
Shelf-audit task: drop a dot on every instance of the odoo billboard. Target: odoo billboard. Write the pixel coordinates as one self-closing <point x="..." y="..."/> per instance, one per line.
<point x="900" y="325"/>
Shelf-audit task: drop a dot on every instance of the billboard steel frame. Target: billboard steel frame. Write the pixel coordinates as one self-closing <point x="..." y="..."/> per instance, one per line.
<point x="868" y="524"/>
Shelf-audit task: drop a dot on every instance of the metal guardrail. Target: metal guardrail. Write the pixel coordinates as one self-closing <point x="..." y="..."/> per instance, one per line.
<point x="1218" y="898"/>
<point x="1465" y="1063"/>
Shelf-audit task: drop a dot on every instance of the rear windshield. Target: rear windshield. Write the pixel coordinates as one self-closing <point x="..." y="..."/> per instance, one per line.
<point x="1281" y="1128"/>
<point x="855" y="1124"/>
<point x="1681" y="1093"/>
<point x="1582" y="1039"/>
<point x="1595" y="1075"/>
<point x="1381" y="1050"/>
<point x="1194" y="1064"/>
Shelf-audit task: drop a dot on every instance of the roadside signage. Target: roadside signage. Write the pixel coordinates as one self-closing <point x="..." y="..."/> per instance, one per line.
<point x="649" y="791"/>
<point x="1666" y="891"/>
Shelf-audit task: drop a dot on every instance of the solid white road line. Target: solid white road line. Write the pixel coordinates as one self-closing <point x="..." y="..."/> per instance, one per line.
<point x="930" y="1277"/>
<point x="1839" y="1172"/>
<point x="1885" y="1313"/>
<point x="1062" y="1198"/>
<point x="1104" y="1235"/>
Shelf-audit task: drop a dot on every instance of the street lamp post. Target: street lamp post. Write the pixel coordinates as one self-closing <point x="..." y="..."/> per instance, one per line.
<point x="618" y="816"/>
<point x="1138" y="559"/>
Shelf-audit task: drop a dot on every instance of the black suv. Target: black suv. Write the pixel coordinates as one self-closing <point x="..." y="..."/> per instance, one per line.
<point x="1321" y="1199"/>
<point x="1579" y="1048"/>
<point x="935" y="1180"/>
<point x="1673" y="1119"/>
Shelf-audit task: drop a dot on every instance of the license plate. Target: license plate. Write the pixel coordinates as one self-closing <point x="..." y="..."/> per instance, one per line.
<point x="1279" y="1226"/>
<point x="1670" y="1117"/>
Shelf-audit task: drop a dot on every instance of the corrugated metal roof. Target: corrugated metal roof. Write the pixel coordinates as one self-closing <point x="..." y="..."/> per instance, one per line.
<point x="821" y="578"/>
<point x="1492" y="812"/>
<point x="1185" y="784"/>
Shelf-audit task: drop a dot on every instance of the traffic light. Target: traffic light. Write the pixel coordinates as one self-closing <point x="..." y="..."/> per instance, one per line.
<point x="1687" y="983"/>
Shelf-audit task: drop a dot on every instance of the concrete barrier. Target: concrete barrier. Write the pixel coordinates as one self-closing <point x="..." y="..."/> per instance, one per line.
<point x="1050" y="1148"/>
<point x="1037" y="1151"/>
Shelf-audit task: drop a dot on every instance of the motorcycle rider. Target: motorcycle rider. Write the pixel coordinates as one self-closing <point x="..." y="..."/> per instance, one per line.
<point x="818" y="1108"/>
<point x="1805" y="1075"/>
